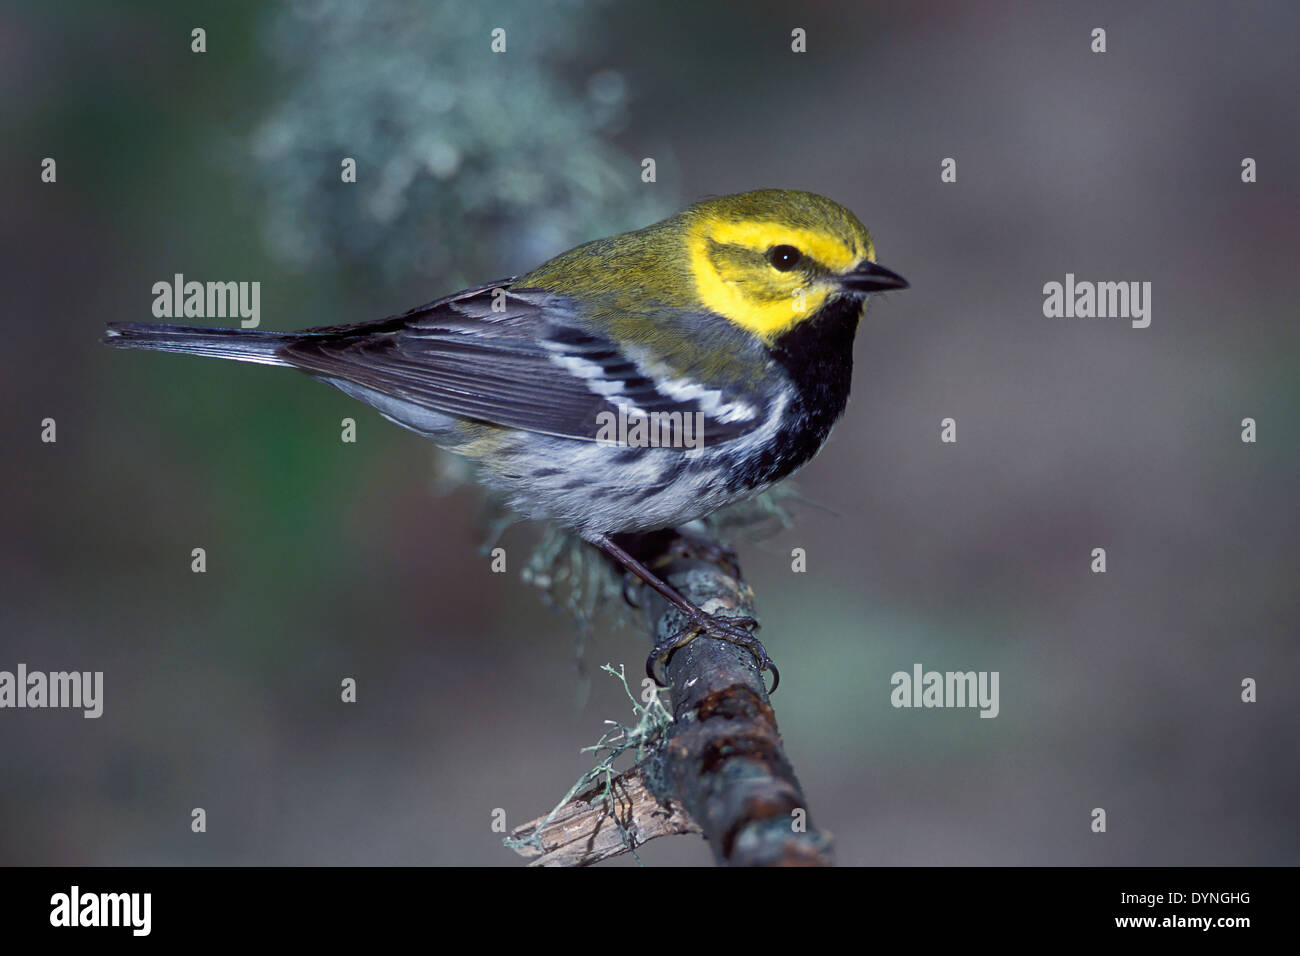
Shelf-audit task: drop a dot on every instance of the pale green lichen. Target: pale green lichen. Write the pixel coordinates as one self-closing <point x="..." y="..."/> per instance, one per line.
<point x="652" y="719"/>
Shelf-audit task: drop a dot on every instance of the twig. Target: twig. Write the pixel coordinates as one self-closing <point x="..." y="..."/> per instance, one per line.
<point x="586" y="831"/>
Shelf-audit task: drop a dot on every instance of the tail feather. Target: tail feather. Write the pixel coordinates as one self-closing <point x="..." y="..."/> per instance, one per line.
<point x="242" y="345"/>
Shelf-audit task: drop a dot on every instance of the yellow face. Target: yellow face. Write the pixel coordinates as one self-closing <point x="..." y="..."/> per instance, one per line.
<point x="768" y="276"/>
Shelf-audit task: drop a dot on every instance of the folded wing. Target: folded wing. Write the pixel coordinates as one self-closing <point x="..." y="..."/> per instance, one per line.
<point x="518" y="358"/>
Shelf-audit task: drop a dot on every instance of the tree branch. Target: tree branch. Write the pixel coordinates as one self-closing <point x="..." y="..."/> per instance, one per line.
<point x="719" y="768"/>
<point x="722" y="759"/>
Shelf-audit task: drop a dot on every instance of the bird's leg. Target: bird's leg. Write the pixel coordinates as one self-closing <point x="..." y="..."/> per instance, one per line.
<point x="733" y="629"/>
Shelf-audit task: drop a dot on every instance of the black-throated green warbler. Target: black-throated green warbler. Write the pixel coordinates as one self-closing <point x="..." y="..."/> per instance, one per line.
<point x="630" y="384"/>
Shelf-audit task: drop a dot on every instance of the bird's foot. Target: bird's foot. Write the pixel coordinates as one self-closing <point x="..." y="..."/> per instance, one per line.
<point x="737" y="630"/>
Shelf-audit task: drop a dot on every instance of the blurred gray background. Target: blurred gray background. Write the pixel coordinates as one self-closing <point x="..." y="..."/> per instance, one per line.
<point x="328" y="560"/>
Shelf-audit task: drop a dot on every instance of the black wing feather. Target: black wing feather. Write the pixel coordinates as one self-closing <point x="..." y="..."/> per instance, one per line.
<point x="461" y="357"/>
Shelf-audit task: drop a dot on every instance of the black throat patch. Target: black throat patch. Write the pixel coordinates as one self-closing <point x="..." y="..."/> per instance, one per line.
<point x="818" y="356"/>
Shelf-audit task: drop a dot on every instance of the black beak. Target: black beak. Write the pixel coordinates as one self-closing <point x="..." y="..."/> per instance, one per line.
<point x="869" y="277"/>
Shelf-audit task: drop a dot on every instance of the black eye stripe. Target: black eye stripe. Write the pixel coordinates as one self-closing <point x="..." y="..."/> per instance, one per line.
<point x="784" y="257"/>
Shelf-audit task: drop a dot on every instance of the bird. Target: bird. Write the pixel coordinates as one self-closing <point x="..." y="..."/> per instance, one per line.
<point x="634" y="383"/>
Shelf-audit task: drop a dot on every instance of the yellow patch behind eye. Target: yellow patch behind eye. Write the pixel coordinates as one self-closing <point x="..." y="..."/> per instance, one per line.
<point x="765" y="317"/>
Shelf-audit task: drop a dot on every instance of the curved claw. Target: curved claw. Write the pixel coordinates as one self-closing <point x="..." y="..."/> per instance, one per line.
<point x="776" y="678"/>
<point x="650" y="663"/>
<point x="765" y="663"/>
<point x="631" y="587"/>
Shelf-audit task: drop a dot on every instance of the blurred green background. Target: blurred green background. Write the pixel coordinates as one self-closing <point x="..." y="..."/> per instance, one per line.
<point x="329" y="560"/>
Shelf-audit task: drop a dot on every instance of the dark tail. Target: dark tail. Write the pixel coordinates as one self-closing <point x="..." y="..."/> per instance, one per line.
<point x="242" y="345"/>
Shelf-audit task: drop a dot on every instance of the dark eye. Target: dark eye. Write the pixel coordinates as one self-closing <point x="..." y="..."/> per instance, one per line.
<point x="783" y="258"/>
